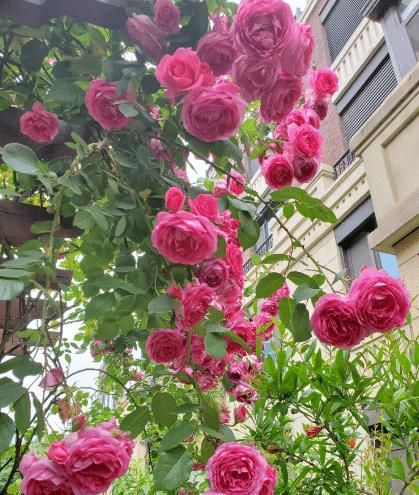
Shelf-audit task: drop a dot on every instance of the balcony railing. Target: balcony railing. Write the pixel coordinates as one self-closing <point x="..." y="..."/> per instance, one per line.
<point x="343" y="163"/>
<point x="263" y="249"/>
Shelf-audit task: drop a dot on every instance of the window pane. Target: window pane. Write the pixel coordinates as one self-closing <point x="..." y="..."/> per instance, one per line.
<point x="413" y="33"/>
<point x="407" y="7"/>
<point x="389" y="264"/>
<point x="358" y="254"/>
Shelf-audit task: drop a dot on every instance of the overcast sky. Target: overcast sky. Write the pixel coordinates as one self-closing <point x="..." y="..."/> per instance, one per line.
<point x="297" y="3"/>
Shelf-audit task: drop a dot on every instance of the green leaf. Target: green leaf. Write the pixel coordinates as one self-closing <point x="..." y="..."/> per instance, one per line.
<point x="215" y="345"/>
<point x="269" y="284"/>
<point x="215" y="314"/>
<point x="225" y="433"/>
<point x="150" y="84"/>
<point x="249" y="231"/>
<point x="23" y="413"/>
<point x="303" y="292"/>
<point x="288" y="211"/>
<point x="339" y="276"/>
<point x="136" y="421"/>
<point x="13" y="273"/>
<point x="286" y="311"/>
<point x="397" y="469"/>
<point x="10" y="289"/>
<point x="162" y="304"/>
<point x="299" y="278"/>
<point x="275" y="258"/>
<point x="300" y="323"/>
<point x="98" y="216"/>
<point x="98" y="305"/>
<point x="120" y="226"/>
<point x="66" y="93"/>
<point x="164" y="408"/>
<point x="221" y="248"/>
<point x="83" y="220"/>
<point x="177" y="435"/>
<point x="40" y="423"/>
<point x="229" y="149"/>
<point x="32" y="55"/>
<point x="41" y="227"/>
<point x="23" y="366"/>
<point x="20" y="158"/>
<point x="108" y="329"/>
<point x="127" y="109"/>
<point x="71" y="183"/>
<point x="7" y="430"/>
<point x="10" y="392"/>
<point x="173" y="468"/>
<point x="216" y="327"/>
<point x="238" y="340"/>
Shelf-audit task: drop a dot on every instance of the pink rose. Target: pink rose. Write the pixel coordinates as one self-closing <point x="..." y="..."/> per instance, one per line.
<point x="27" y="461"/>
<point x="234" y="255"/>
<point x="43" y="477"/>
<point x="101" y="104"/>
<point x="246" y="331"/>
<point x="297" y="54"/>
<point x="305" y="169"/>
<point x="240" y="414"/>
<point x="335" y="322"/>
<point x="261" y="28"/>
<point x="139" y="376"/>
<point x="220" y="188"/>
<point x="95" y="459"/>
<point x="174" y="199"/>
<point x="196" y="298"/>
<point x="244" y="394"/>
<point x="277" y="171"/>
<point x="217" y="50"/>
<point x="296" y="116"/>
<point x="278" y="103"/>
<point x="39" y="125"/>
<point x="160" y="151"/>
<point x="205" y="205"/>
<point x="382" y="302"/>
<point x="318" y="105"/>
<point x="264" y="325"/>
<point x="180" y="72"/>
<point x="213" y="114"/>
<point x="208" y="78"/>
<point x="236" y="183"/>
<point x="270" y="481"/>
<point x="284" y="291"/>
<point x="146" y="35"/>
<point x="225" y="417"/>
<point x="206" y="380"/>
<point x="236" y="469"/>
<point x="214" y="273"/>
<point x="164" y="346"/>
<point x="311" y="117"/>
<point x="167" y="16"/>
<point x="52" y="379"/>
<point x="255" y="76"/>
<point x="79" y="422"/>
<point x="323" y="82"/>
<point x="184" y="238"/>
<point x="58" y="452"/>
<point x="305" y="140"/>
<point x="220" y="23"/>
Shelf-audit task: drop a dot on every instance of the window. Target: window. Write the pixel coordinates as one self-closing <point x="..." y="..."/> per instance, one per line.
<point x="265" y="241"/>
<point x="412" y="28"/>
<point x="407" y="8"/>
<point x="340" y="19"/>
<point x="369" y="97"/>
<point x="352" y="237"/>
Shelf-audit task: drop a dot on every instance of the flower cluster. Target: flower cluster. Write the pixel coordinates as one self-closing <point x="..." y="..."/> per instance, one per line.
<point x="83" y="463"/>
<point x="375" y="303"/>
<point x="236" y="468"/>
<point x="190" y="238"/>
<point x="269" y="309"/>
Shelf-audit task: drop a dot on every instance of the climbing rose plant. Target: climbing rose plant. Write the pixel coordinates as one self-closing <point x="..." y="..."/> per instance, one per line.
<point x="159" y="293"/>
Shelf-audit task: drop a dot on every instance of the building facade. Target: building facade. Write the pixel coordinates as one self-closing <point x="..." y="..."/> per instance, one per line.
<point x="374" y="54"/>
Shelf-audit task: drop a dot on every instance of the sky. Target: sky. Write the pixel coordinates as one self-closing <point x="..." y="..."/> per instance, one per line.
<point x="297" y="3"/>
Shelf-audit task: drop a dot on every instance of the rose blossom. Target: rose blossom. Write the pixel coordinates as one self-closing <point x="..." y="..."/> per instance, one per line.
<point x="208" y="78"/>
<point x="217" y="50"/>
<point x="220" y="188"/>
<point x="101" y="98"/>
<point x="39" y="125"/>
<point x="146" y="35"/>
<point x="206" y="381"/>
<point x="318" y="105"/>
<point x="270" y="481"/>
<point x="167" y="16"/>
<point x="180" y="72"/>
<point x="164" y="346"/>
<point x="261" y="28"/>
<point x="43" y="477"/>
<point x="255" y="76"/>
<point x="234" y="255"/>
<point x="205" y="205"/>
<point x="382" y="302"/>
<point x="277" y="171"/>
<point x="160" y="151"/>
<point x="323" y="82"/>
<point x="58" y="452"/>
<point x="264" y="325"/>
<point x="243" y="329"/>
<point x="278" y="103"/>
<point x="311" y="117"/>
<point x="236" y="183"/>
<point x="213" y="113"/>
<point x="305" y="169"/>
<point x="139" y="376"/>
<point x="335" y="322"/>
<point x="95" y="459"/>
<point x="196" y="298"/>
<point x="304" y="140"/>
<point x="297" y="54"/>
<point x="236" y="469"/>
<point x="184" y="238"/>
<point x="52" y="379"/>
<point x="240" y="414"/>
<point x="225" y="416"/>
<point x="244" y="393"/>
<point x="214" y="273"/>
<point x="174" y="199"/>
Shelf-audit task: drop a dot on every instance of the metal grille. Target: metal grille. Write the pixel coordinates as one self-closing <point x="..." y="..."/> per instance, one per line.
<point x="341" y="22"/>
<point x="344" y="162"/>
<point x="369" y="98"/>
<point x="263" y="249"/>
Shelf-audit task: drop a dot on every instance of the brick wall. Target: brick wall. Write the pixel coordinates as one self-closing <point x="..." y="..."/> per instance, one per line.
<point x="335" y="143"/>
